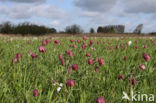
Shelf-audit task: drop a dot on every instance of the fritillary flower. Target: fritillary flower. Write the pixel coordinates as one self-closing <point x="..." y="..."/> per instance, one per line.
<point x="35" y="93"/>
<point x="100" y="100"/>
<point x="70" y="83"/>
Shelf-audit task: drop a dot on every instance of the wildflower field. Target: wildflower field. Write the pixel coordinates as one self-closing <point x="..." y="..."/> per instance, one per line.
<point x="77" y="70"/>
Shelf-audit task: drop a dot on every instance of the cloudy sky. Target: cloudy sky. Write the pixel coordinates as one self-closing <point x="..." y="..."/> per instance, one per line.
<point x="86" y="13"/>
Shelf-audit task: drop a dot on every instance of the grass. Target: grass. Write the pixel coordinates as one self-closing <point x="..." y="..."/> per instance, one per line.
<point x="18" y="80"/>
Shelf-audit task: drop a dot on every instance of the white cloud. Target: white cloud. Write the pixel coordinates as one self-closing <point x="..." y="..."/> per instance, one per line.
<point x="49" y="11"/>
<point x="24" y="11"/>
<point x="55" y="23"/>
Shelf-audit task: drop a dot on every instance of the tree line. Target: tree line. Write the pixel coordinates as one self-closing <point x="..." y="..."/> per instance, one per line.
<point x="25" y="29"/>
<point x="111" y="29"/>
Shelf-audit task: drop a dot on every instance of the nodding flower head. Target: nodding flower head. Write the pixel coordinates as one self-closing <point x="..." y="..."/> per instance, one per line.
<point x="136" y="47"/>
<point x="133" y="81"/>
<point x="78" y="41"/>
<point x="120" y="77"/>
<point x="142" y="67"/>
<point x="88" y="54"/>
<point x="56" y="42"/>
<point x="83" y="46"/>
<point x="96" y="69"/>
<point x="71" y="41"/>
<point x="47" y="41"/>
<point x="75" y="67"/>
<point x="117" y="47"/>
<point x="42" y="49"/>
<point x="84" y="37"/>
<point x="125" y="58"/>
<point x="90" y="61"/>
<point x="98" y="43"/>
<point x="29" y="42"/>
<point x="101" y="61"/>
<point x="145" y="46"/>
<point x="62" y="62"/>
<point x="44" y="43"/>
<point x="33" y="55"/>
<point x="100" y="100"/>
<point x="15" y="60"/>
<point x="70" y="83"/>
<point x="35" y="93"/>
<point x="146" y="57"/>
<point x="18" y="55"/>
<point x="91" y="42"/>
<point x="60" y="56"/>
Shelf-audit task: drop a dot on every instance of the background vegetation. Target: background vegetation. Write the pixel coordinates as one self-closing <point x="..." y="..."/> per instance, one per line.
<point x="25" y="29"/>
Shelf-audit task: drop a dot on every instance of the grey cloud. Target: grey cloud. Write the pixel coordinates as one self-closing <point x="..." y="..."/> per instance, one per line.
<point x="19" y="12"/>
<point x="3" y="10"/>
<point x="153" y="17"/>
<point x="139" y="6"/>
<point x="23" y="1"/>
<point x="89" y="14"/>
<point x="129" y="6"/>
<point x="95" y="5"/>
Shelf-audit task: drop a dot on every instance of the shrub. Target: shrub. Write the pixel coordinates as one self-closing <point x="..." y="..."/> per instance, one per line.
<point x="92" y="30"/>
<point x="6" y="28"/>
<point x="152" y="33"/>
<point x="73" y="29"/>
<point x="111" y="29"/>
<point x="100" y="29"/>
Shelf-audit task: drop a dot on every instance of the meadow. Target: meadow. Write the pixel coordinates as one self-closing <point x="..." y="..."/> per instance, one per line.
<point x="76" y="69"/>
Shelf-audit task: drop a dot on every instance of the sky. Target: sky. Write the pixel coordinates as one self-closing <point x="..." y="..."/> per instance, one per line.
<point x="86" y="13"/>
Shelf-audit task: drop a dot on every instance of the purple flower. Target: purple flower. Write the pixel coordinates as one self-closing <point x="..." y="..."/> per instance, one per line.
<point x="142" y="67"/>
<point x="44" y="43"/>
<point x="120" y="77"/>
<point x="100" y="100"/>
<point x="33" y="55"/>
<point x="147" y="57"/>
<point x="42" y="49"/>
<point x="62" y="62"/>
<point x="35" y="93"/>
<point x="125" y="58"/>
<point x="56" y="42"/>
<point x="84" y="37"/>
<point x="90" y="61"/>
<point x="18" y="55"/>
<point x="70" y="83"/>
<point x="47" y="41"/>
<point x="15" y="60"/>
<point x="75" y="67"/>
<point x="88" y="54"/>
<point x="60" y="56"/>
<point x="96" y="69"/>
<point x="101" y="61"/>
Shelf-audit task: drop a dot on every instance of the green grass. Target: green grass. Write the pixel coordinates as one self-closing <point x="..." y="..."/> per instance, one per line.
<point x="18" y="80"/>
